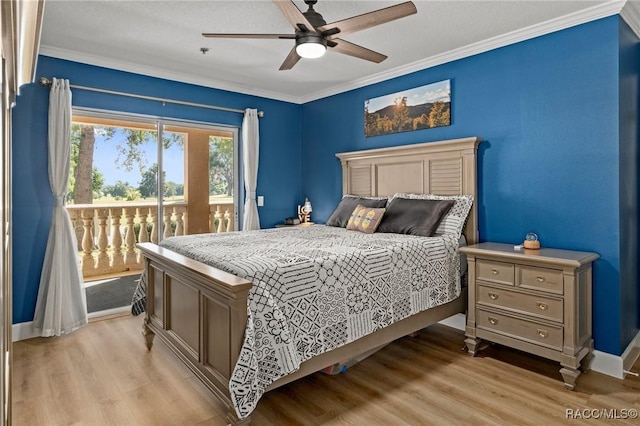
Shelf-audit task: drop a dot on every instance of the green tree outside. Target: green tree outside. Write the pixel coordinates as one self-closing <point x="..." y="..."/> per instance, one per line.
<point x="221" y="166"/>
<point x="148" y="184"/>
<point x="118" y="190"/>
<point x="86" y="182"/>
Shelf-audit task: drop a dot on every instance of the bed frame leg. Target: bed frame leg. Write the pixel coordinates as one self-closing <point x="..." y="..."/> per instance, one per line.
<point x="147" y="333"/>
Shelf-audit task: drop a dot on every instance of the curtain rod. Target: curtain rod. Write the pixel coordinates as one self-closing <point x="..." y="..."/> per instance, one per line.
<point x="44" y="81"/>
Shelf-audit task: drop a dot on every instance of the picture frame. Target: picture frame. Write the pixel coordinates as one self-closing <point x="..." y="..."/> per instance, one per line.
<point x="423" y="107"/>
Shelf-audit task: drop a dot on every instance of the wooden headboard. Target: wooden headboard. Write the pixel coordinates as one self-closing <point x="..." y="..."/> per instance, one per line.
<point x="444" y="168"/>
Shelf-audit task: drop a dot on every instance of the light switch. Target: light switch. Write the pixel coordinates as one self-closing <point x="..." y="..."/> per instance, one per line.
<point x="260" y="200"/>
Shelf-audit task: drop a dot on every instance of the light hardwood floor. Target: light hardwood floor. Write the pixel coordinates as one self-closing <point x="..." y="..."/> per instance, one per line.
<point x="103" y="375"/>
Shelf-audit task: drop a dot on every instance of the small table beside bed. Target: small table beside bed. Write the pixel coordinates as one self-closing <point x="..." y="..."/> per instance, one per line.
<point x="250" y="311"/>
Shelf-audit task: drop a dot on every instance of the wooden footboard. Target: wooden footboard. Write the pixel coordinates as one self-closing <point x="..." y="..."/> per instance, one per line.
<point x="200" y="312"/>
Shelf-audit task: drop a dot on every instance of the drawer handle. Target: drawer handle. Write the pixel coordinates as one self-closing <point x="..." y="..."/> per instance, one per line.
<point x="495" y="272"/>
<point x="493" y="296"/>
<point x="540" y="279"/>
<point x="493" y="321"/>
<point x="543" y="333"/>
<point x="543" y="306"/>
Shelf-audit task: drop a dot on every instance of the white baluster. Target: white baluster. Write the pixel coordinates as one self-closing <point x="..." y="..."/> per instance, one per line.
<point x="103" y="256"/>
<point x="227" y="221"/>
<point x="167" y="222"/>
<point x="154" y="225"/>
<point x="130" y="256"/>
<point x="143" y="236"/>
<point x="116" y="237"/>
<point x="231" y="218"/>
<point x="212" y="219"/>
<point x="219" y="220"/>
<point x="179" y="211"/>
<point x="88" y="262"/>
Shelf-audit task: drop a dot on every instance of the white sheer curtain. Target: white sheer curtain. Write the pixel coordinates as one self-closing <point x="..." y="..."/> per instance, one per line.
<point x="62" y="305"/>
<point x="250" y="148"/>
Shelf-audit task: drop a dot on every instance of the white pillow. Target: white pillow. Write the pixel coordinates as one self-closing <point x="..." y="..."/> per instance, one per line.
<point x="453" y="222"/>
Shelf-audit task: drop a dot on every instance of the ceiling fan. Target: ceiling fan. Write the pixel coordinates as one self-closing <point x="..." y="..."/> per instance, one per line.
<point x="313" y="35"/>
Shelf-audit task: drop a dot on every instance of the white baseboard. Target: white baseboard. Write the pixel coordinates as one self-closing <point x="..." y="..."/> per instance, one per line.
<point x="457" y="321"/>
<point x="603" y="362"/>
<point x="617" y="366"/>
<point x="23" y="331"/>
<point x="608" y="364"/>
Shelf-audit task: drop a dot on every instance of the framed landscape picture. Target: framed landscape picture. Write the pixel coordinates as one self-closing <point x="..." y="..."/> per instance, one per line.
<point x="424" y="107"/>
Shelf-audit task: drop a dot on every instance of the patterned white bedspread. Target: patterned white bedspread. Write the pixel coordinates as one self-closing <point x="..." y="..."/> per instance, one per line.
<point x="318" y="288"/>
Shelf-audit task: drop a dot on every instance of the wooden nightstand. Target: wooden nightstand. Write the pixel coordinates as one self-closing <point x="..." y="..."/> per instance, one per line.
<point x="538" y="301"/>
<point x="300" y="225"/>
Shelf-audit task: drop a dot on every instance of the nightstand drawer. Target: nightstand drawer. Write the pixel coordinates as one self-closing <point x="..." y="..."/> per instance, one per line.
<point x="529" y="331"/>
<point x="543" y="279"/>
<point x="495" y="272"/>
<point x="540" y="306"/>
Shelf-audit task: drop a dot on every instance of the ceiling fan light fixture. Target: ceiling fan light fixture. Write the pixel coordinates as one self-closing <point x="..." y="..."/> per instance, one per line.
<point x="313" y="35"/>
<point x="311" y="46"/>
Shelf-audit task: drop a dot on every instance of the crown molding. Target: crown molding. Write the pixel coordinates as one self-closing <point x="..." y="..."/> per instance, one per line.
<point x="587" y="15"/>
<point x="631" y="15"/>
<point x="89" y="59"/>
<point x="628" y="9"/>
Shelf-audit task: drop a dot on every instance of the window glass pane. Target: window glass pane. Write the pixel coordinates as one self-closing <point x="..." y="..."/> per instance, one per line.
<point x="173" y="165"/>
<point x="221" y="168"/>
<point x="111" y="161"/>
<point x="207" y="165"/>
<point x="222" y="180"/>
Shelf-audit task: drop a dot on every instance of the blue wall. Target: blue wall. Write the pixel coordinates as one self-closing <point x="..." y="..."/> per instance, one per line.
<point x="629" y="179"/>
<point x="278" y="174"/>
<point x="557" y="114"/>
<point x="548" y="111"/>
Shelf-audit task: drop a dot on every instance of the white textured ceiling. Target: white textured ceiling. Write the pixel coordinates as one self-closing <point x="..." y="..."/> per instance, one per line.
<point x="163" y="38"/>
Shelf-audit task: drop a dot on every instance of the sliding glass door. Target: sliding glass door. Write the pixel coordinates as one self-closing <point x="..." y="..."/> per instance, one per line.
<point x="136" y="179"/>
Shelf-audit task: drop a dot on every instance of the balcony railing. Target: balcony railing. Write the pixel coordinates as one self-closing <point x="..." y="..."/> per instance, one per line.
<point x="107" y="233"/>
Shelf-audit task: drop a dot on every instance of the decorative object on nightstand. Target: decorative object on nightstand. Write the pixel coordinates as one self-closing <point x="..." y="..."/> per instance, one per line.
<point x="537" y="301"/>
<point x="531" y="241"/>
<point x="292" y="221"/>
<point x="304" y="211"/>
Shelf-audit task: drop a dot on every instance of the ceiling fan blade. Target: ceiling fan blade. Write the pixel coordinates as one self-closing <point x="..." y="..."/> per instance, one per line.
<point x="291" y="59"/>
<point x="347" y="48"/>
<point x="268" y="36"/>
<point x="367" y="20"/>
<point x="294" y="16"/>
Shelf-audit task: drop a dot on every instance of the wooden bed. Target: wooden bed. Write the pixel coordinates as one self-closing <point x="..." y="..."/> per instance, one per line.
<point x="200" y="312"/>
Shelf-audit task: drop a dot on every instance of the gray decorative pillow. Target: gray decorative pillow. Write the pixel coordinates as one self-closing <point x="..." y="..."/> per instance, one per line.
<point x="342" y="213"/>
<point x="414" y="216"/>
<point x="453" y="222"/>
